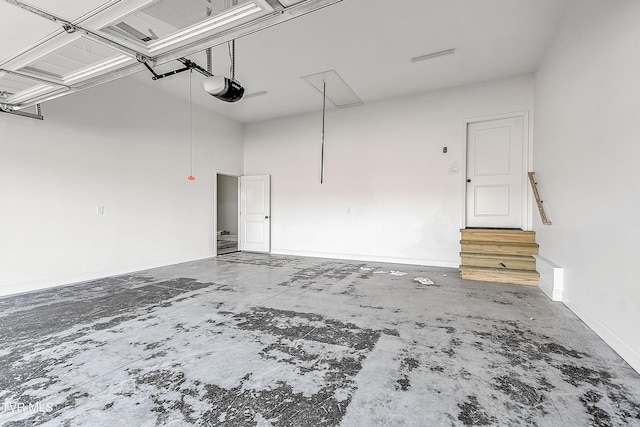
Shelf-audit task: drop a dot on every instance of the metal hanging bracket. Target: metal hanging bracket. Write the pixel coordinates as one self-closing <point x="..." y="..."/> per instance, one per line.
<point x="188" y="65"/>
<point x="4" y="108"/>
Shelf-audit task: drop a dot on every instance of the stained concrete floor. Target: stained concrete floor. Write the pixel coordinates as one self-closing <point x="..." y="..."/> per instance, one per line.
<point x="259" y="340"/>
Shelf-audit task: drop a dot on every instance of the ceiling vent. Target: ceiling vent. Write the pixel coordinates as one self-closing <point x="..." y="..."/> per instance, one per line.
<point x="433" y="55"/>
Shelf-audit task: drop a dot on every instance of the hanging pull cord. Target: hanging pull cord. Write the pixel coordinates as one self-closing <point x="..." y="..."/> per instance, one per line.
<point x="324" y="109"/>
<point x="191" y="177"/>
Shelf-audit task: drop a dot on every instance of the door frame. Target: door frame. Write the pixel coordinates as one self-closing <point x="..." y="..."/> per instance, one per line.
<point x="215" y="206"/>
<point x="527" y="164"/>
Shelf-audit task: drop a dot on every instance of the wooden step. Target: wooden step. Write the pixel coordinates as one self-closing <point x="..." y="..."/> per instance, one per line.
<point x="506" y="248"/>
<point x="485" y="274"/>
<point x="502" y="261"/>
<point x="499" y="235"/>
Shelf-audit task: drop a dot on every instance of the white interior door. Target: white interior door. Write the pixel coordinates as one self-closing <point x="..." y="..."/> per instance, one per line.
<point x="255" y="213"/>
<point x="495" y="173"/>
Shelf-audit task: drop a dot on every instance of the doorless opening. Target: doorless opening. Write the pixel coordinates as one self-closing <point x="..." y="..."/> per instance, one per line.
<point x="227" y="214"/>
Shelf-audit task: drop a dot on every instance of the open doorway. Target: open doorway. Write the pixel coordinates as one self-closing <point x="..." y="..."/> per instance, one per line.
<point x="227" y="214"/>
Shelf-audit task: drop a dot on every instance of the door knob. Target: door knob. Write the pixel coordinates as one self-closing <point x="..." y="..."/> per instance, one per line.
<point x="266" y="217"/>
<point x="468" y="180"/>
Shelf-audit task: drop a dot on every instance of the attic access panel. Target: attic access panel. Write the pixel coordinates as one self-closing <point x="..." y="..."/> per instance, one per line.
<point x="338" y="92"/>
<point x="164" y="24"/>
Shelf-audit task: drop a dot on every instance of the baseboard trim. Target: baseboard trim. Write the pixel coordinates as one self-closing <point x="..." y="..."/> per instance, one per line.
<point x="628" y="353"/>
<point x="53" y="282"/>
<point x="369" y="258"/>
<point x="551" y="280"/>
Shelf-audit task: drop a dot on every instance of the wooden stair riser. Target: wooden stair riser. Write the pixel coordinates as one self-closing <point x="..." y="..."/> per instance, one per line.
<point x="500" y="262"/>
<point x="499" y="248"/>
<point x="499" y="256"/>
<point x="516" y="277"/>
<point x="484" y="235"/>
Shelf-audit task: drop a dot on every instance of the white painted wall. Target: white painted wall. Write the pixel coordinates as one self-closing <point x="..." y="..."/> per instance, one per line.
<point x="228" y="203"/>
<point x="388" y="194"/>
<point x="586" y="154"/>
<point x="124" y="146"/>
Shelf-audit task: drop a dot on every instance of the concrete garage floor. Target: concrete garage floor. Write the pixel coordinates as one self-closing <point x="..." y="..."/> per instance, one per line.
<point x="259" y="340"/>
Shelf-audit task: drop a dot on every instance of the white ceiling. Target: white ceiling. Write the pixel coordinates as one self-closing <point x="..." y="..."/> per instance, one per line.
<point x="369" y="43"/>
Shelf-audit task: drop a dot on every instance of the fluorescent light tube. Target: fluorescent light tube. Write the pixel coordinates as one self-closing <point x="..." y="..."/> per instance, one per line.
<point x="207" y="25"/>
<point x="99" y="68"/>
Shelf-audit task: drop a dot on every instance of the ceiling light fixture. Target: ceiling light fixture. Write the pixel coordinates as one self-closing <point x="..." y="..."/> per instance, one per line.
<point x="433" y="55"/>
